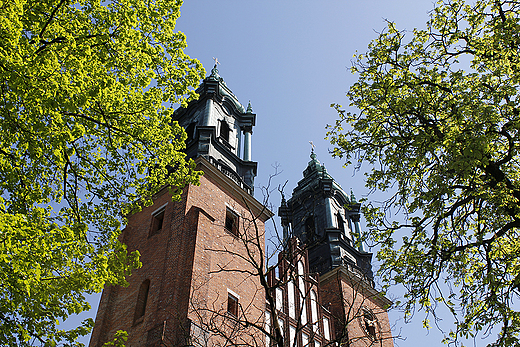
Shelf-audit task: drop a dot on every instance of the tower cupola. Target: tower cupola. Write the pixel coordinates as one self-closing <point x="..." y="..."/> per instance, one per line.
<point x="322" y="216"/>
<point x="219" y="128"/>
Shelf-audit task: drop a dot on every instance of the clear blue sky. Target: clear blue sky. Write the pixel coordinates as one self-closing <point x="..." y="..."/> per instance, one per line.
<point x="291" y="59"/>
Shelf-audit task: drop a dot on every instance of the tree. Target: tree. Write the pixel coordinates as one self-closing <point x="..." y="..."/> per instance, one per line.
<point x="86" y="137"/>
<point x="439" y="125"/>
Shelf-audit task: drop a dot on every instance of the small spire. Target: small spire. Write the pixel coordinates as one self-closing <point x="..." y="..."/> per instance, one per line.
<point x="249" y="108"/>
<point x="352" y="197"/>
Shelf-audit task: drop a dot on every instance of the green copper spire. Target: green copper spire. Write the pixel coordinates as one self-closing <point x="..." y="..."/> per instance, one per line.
<point x="327" y="219"/>
<point x="249" y="108"/>
<point x="352" y="197"/>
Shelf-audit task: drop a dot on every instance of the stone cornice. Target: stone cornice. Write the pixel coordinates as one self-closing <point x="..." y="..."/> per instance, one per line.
<point x="357" y="279"/>
<point x="231" y="187"/>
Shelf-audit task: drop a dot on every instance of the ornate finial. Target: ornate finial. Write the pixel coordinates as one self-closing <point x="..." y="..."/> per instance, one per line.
<point x="313" y="155"/>
<point x="249" y="108"/>
<point x="352" y="197"/>
<point x="216" y="62"/>
<point x="312" y="146"/>
<point x="214" y="72"/>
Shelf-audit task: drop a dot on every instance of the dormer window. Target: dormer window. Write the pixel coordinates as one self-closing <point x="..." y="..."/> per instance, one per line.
<point x="224" y="130"/>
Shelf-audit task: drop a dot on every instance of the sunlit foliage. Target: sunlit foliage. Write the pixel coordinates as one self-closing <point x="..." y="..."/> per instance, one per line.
<point x="439" y="126"/>
<point x="86" y="138"/>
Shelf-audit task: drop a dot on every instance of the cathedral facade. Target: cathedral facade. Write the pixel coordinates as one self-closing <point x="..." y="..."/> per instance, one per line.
<point x="205" y="279"/>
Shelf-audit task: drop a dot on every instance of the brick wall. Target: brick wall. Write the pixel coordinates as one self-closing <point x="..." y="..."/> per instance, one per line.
<point x="192" y="264"/>
<point x="223" y="264"/>
<point x="352" y="301"/>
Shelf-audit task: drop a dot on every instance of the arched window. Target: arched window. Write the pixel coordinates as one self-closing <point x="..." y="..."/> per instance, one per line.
<point x="301" y="268"/>
<point x="142" y="298"/>
<point x="369" y="323"/>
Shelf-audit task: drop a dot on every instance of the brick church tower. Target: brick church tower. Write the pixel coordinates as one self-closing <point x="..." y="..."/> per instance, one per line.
<point x="200" y="285"/>
<point x="191" y="249"/>
<point x="325" y="221"/>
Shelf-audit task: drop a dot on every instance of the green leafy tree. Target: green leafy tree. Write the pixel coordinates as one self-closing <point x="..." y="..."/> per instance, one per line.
<point x="439" y="126"/>
<point x="86" y="138"/>
<point x="119" y="340"/>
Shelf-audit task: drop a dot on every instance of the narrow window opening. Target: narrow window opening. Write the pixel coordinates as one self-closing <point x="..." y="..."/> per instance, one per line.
<point x="279" y="299"/>
<point x="232" y="222"/>
<point x="190" y="131"/>
<point x="224" y="130"/>
<point x="292" y="335"/>
<point x="326" y="329"/>
<point x="314" y="311"/>
<point x="280" y="323"/>
<point x="341" y="223"/>
<point x="305" y="340"/>
<point x="291" y="299"/>
<point x="309" y="228"/>
<point x="267" y="329"/>
<point x="157" y="223"/>
<point x="142" y="298"/>
<point x="232" y="305"/>
<point x="302" y="291"/>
